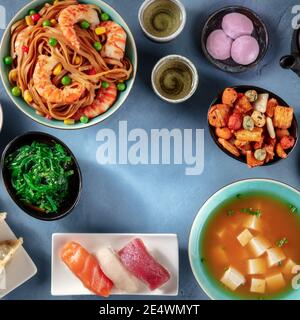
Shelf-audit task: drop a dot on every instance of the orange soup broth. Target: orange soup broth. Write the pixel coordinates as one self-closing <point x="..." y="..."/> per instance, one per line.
<point x="278" y="222"/>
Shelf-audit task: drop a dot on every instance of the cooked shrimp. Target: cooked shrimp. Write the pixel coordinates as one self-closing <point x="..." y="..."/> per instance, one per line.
<point x="45" y="87"/>
<point x="104" y="100"/>
<point x="72" y="15"/>
<point x="114" y="47"/>
<point x="21" y="40"/>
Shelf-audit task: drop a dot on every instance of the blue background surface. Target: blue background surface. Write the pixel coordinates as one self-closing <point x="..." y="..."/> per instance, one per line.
<point x="160" y="198"/>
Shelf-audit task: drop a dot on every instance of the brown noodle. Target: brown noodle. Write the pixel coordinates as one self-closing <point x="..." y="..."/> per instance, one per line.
<point x="37" y="38"/>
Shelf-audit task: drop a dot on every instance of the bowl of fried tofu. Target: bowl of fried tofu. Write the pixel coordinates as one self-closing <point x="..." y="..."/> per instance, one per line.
<point x="253" y="125"/>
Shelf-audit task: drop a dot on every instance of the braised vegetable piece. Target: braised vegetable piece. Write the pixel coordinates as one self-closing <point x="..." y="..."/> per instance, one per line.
<point x="250" y="136"/>
<point x="229" y="147"/>
<point x="218" y="115"/>
<point x="223" y="133"/>
<point x="258" y="118"/>
<point x="251" y="95"/>
<point x="40" y="175"/>
<point x="248" y="123"/>
<point x="229" y="96"/>
<point x="283" y="117"/>
<point x="243" y="105"/>
<point x="252" y="126"/>
<point x="280" y="151"/>
<point x="235" y="121"/>
<point x="261" y="102"/>
<point x="272" y="104"/>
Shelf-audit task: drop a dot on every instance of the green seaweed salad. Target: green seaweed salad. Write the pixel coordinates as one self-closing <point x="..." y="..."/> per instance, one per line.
<point x="40" y="175"/>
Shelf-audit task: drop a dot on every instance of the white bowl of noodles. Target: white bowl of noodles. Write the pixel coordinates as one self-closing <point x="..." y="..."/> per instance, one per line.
<point x="63" y="105"/>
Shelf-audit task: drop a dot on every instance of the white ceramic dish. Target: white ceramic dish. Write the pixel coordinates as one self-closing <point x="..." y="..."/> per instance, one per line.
<point x="21" y="268"/>
<point x="164" y="247"/>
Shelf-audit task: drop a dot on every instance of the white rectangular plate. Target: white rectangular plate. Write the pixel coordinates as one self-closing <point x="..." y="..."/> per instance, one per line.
<point x="164" y="247"/>
<point x="21" y="268"/>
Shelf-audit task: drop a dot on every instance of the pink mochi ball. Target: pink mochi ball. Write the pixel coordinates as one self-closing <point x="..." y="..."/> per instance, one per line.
<point x="236" y="25"/>
<point x="245" y="50"/>
<point x="219" y="45"/>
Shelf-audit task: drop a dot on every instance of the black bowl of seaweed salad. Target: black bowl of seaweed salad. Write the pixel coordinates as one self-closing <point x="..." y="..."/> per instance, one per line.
<point x="41" y="175"/>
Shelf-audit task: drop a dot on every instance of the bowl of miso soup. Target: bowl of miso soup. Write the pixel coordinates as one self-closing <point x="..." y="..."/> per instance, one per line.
<point x="244" y="242"/>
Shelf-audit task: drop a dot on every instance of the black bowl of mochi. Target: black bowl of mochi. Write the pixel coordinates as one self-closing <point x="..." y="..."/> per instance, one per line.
<point x="234" y="39"/>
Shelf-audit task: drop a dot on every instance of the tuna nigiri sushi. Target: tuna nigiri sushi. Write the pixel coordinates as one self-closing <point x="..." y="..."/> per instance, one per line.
<point x="141" y="264"/>
<point x="114" y="269"/>
<point x="86" y="267"/>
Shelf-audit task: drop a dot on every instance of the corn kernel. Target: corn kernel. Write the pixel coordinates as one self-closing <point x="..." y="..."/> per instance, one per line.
<point x="27" y="96"/>
<point x="29" y="21"/>
<point x="77" y="60"/>
<point x="69" y="121"/>
<point x="100" y="30"/>
<point x="57" y="70"/>
<point x="53" y="22"/>
<point x="14" y="75"/>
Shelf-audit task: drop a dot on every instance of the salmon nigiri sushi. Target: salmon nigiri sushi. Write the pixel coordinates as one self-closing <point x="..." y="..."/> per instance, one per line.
<point x="86" y="267"/>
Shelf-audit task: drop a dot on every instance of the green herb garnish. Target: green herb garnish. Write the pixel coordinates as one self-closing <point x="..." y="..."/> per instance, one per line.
<point x="202" y="260"/>
<point x="40" y="175"/>
<point x="293" y="209"/>
<point x="230" y="213"/>
<point x="252" y="212"/>
<point x="280" y="243"/>
<point x="239" y="196"/>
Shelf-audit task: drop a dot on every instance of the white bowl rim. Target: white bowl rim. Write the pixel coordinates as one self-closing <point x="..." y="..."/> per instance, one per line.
<point x="1" y="117"/>
<point x="142" y="8"/>
<point x="237" y="182"/>
<point x="190" y="64"/>
<point x="101" y="117"/>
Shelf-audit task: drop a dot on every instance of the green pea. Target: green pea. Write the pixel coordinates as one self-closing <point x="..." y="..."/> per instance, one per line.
<point x="105" y="16"/>
<point x="16" y="91"/>
<point x="121" y="86"/>
<point x="105" y="84"/>
<point x="84" y="24"/>
<point x="84" y="119"/>
<point x="47" y="23"/>
<point x="31" y="12"/>
<point x="66" y="81"/>
<point x="52" y="42"/>
<point x="97" y="45"/>
<point x="8" y="60"/>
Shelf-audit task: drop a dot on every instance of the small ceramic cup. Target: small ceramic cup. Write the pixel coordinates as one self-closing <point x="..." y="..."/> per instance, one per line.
<point x="146" y="5"/>
<point x="175" y="60"/>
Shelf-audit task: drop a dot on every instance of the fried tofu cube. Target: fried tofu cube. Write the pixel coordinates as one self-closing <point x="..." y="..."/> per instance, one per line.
<point x="283" y="117"/>
<point x="257" y="266"/>
<point x="275" y="282"/>
<point x="288" y="267"/>
<point x="232" y="279"/>
<point x="253" y="223"/>
<point x="259" y="245"/>
<point x="244" y="237"/>
<point x="275" y="256"/>
<point x="249" y="136"/>
<point x="258" y="285"/>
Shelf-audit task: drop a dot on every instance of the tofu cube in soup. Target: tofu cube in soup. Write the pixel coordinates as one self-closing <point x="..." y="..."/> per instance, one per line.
<point x="244" y="237"/>
<point x="261" y="102"/>
<point x="275" y="282"/>
<point x="258" y="285"/>
<point x="259" y="245"/>
<point x="288" y="267"/>
<point x="257" y="266"/>
<point x="253" y="223"/>
<point x="232" y="279"/>
<point x="275" y="256"/>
